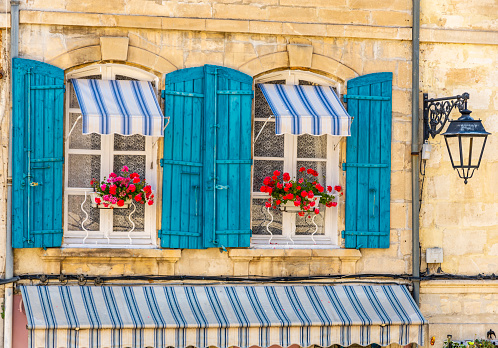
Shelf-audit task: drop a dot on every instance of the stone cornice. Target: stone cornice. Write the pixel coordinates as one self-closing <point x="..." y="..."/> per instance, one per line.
<point x="427" y="35"/>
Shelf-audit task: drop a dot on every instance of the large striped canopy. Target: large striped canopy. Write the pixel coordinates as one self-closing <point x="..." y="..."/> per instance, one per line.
<point x="301" y="109"/>
<point x="222" y="316"/>
<point x="119" y="106"/>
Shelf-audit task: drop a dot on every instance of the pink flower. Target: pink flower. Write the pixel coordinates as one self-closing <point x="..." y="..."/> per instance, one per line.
<point x="112" y="175"/>
<point x="103" y="187"/>
<point x="317" y="211"/>
<point x="334" y="204"/>
<point x="125" y="169"/>
<point x="131" y="188"/>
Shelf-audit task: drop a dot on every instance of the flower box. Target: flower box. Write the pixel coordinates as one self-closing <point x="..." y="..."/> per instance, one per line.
<point x="289" y="206"/>
<point x="94" y="195"/>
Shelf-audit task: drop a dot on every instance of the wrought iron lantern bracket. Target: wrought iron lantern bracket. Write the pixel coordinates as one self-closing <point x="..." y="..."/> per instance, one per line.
<point x="437" y="112"/>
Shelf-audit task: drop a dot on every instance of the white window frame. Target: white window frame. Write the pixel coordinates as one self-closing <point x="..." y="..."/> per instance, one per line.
<point x="288" y="239"/>
<point x="106" y="237"/>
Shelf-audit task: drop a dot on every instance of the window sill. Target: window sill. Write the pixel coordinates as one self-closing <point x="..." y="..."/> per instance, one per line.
<point x="312" y="261"/>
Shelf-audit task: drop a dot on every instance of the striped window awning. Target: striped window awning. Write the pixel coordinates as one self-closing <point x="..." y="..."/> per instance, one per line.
<point x="119" y="106"/>
<point x="302" y="109"/>
<point x="221" y="316"/>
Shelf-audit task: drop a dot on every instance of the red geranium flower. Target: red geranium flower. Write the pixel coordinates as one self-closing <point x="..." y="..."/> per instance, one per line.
<point x="120" y="203"/>
<point x="338" y="188"/>
<point x="286" y="177"/>
<point x="329" y="188"/>
<point x="334" y="204"/>
<point x="276" y="173"/>
<point x="302" y="169"/>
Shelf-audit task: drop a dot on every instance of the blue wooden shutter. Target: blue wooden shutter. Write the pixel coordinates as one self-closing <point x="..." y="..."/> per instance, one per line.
<point x="37" y="151"/>
<point x="228" y="158"/>
<point x="182" y="200"/>
<point x="207" y="159"/>
<point x="368" y="162"/>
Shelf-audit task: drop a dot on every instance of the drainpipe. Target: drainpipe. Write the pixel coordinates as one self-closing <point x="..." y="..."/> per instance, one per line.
<point x="9" y="259"/>
<point x="415" y="150"/>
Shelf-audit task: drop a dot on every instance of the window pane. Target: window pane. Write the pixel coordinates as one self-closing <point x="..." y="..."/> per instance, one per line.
<point x="262" y="169"/>
<point x="261" y="218"/>
<point x="305" y="226"/>
<point x="309" y="146"/>
<point x="122" y="223"/>
<point x="73" y="101"/>
<point x="135" y="163"/>
<point x="268" y="144"/>
<point x="79" y="141"/>
<point x="134" y="142"/>
<point x="320" y="167"/>
<point x="76" y="216"/>
<point x="82" y="169"/>
<point x="261" y="107"/>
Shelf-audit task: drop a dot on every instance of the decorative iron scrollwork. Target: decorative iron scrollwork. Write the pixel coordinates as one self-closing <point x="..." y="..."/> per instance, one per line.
<point x="437" y="112"/>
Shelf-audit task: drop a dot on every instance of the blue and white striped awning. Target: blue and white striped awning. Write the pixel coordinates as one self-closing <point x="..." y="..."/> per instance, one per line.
<point x="221" y="316"/>
<point x="119" y="106"/>
<point x="314" y="110"/>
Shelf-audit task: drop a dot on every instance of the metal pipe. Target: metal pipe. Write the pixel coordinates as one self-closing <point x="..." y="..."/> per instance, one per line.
<point x="9" y="258"/>
<point x="415" y="150"/>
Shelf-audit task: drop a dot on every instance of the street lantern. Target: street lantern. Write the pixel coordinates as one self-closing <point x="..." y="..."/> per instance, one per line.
<point x="465" y="137"/>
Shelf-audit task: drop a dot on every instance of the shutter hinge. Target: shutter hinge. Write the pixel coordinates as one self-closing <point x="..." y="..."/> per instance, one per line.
<point x="215" y="126"/>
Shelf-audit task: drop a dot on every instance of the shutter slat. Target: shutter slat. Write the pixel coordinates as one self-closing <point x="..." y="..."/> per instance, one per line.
<point x="368" y="162"/>
<point x="38" y="102"/>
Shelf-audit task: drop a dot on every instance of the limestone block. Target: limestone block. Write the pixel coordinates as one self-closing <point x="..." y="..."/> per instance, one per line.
<point x="274" y="28"/>
<point x="401" y="130"/>
<point x="77" y="57"/>
<point x="236" y="11"/>
<point x="401" y="5"/>
<point x="375" y="65"/>
<point x="399" y="215"/>
<point x="391" y="18"/>
<point x="404" y="75"/>
<point x="110" y="6"/>
<point x="183" y="23"/>
<point x="252" y="68"/>
<point x="200" y="58"/>
<point x="300" y="55"/>
<point x="304" y="29"/>
<point x="318" y="3"/>
<point x="224" y="25"/>
<point x="150" y="60"/>
<point x="296" y="13"/>
<point x="339" y="16"/>
<point x="114" y="48"/>
<point x="274" y="61"/>
<point x="398" y="185"/>
<point x="402" y="103"/>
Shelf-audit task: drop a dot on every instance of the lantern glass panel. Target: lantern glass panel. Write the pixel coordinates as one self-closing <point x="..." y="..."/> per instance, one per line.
<point x="454" y="150"/>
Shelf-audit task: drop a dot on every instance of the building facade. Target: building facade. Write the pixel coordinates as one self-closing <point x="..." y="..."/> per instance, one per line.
<point x="286" y="42"/>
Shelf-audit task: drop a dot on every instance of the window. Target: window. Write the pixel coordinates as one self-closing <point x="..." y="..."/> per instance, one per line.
<point x="287" y="153"/>
<point x="95" y="156"/>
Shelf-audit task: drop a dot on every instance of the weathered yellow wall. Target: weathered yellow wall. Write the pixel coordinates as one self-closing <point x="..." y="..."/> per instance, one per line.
<point x="461" y="219"/>
<point x="459" y="53"/>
